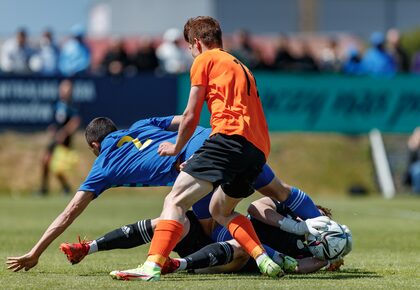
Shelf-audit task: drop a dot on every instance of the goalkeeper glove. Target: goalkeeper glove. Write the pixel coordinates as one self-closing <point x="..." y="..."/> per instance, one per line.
<point x="311" y="226"/>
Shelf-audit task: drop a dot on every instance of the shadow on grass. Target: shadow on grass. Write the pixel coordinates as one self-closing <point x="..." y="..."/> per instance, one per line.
<point x="339" y="275"/>
<point x="322" y="275"/>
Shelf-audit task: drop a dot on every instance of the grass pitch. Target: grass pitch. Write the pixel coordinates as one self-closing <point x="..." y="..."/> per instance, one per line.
<point x="386" y="252"/>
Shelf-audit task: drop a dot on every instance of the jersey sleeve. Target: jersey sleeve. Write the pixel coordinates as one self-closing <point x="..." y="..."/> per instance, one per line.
<point x="199" y="72"/>
<point x="162" y="122"/>
<point x="95" y="182"/>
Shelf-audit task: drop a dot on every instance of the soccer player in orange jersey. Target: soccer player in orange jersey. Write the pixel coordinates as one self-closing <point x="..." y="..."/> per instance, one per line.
<point x="228" y="162"/>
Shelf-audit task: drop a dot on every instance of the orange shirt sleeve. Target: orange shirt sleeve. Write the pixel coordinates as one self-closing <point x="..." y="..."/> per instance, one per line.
<point x="199" y="73"/>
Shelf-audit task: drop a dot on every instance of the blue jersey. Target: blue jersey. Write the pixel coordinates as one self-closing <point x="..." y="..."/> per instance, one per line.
<point x="129" y="157"/>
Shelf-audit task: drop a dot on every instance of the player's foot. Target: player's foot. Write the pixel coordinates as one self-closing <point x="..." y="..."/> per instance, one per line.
<point x="270" y="268"/>
<point x="75" y="252"/>
<point x="289" y="264"/>
<point x="171" y="265"/>
<point x="335" y="265"/>
<point x="145" y="273"/>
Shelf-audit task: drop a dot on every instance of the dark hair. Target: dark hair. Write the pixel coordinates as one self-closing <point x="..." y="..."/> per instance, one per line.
<point x="204" y="28"/>
<point x="326" y="211"/>
<point x="98" y="129"/>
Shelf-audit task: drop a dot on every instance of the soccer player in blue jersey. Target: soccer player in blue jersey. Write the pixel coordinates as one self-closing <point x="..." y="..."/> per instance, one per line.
<point x="129" y="158"/>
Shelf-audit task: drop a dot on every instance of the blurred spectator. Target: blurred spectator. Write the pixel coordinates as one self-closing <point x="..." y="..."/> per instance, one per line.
<point x="376" y="60"/>
<point x="15" y="54"/>
<point x="353" y="61"/>
<point x="415" y="65"/>
<point x="145" y="59"/>
<point x="75" y="55"/>
<point x="398" y="53"/>
<point x="244" y="50"/>
<point x="283" y="60"/>
<point x="173" y="58"/>
<point x="330" y="59"/>
<point x="260" y="61"/>
<point x="305" y="62"/>
<point x="45" y="60"/>
<point x="65" y="123"/>
<point x="412" y="176"/>
<point x="116" y="59"/>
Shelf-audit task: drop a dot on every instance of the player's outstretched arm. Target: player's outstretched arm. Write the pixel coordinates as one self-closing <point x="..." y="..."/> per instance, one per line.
<point x="310" y="265"/>
<point x="75" y="207"/>
<point x="188" y="124"/>
<point x="265" y="211"/>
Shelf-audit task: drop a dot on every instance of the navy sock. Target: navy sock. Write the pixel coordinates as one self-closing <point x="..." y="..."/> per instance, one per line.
<point x="127" y="237"/>
<point x="210" y="256"/>
<point x="301" y="204"/>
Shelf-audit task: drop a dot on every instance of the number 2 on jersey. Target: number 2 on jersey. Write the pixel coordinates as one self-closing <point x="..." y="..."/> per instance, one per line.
<point x="136" y="142"/>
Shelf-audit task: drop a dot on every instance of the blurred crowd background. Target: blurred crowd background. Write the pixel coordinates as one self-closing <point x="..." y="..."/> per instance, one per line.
<point x="77" y="54"/>
<point x="103" y="40"/>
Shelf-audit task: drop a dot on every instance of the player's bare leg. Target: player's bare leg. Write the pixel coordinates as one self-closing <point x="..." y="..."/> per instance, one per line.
<point x="222" y="209"/>
<point x="186" y="191"/>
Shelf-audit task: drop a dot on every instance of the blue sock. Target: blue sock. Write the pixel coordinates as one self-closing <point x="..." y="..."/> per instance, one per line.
<point x="270" y="251"/>
<point x="301" y="204"/>
<point x="277" y="257"/>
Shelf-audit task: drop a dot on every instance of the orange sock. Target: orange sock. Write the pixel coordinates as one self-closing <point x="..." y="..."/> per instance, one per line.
<point x="165" y="238"/>
<point x="242" y="230"/>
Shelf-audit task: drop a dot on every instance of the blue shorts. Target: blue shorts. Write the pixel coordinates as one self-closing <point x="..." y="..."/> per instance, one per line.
<point x="220" y="234"/>
<point x="201" y="207"/>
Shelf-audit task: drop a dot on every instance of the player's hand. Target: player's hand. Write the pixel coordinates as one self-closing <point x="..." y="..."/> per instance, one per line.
<point x="182" y="165"/>
<point x="167" y="149"/>
<point x="26" y="262"/>
<point x="309" y="226"/>
<point x="314" y="225"/>
<point x="335" y="264"/>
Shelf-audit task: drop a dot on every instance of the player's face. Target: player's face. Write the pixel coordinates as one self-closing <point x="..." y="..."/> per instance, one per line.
<point x="195" y="48"/>
<point x="65" y="90"/>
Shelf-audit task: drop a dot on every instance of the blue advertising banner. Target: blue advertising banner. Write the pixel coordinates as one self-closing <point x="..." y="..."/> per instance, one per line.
<point x="27" y="103"/>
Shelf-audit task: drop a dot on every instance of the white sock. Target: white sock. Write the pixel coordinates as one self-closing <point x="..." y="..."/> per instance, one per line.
<point x="260" y="258"/>
<point x="152" y="264"/>
<point x="93" y="247"/>
<point x="182" y="264"/>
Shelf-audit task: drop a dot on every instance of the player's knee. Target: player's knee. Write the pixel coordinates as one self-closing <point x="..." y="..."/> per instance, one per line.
<point x="238" y="252"/>
<point x="176" y="200"/>
<point x="214" y="211"/>
<point x="219" y="215"/>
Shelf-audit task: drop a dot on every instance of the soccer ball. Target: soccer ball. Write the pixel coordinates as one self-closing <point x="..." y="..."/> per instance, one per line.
<point x="335" y="241"/>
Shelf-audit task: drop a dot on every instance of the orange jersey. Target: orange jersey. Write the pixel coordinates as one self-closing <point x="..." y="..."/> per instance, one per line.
<point x="232" y="97"/>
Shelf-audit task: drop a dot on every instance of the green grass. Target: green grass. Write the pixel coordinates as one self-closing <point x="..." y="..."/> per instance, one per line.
<point x="386" y="252"/>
